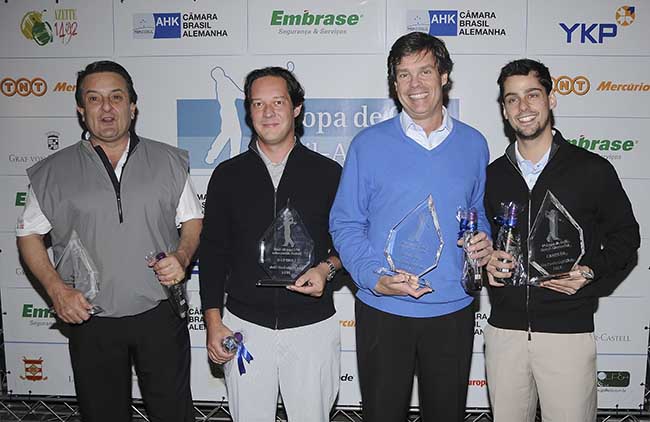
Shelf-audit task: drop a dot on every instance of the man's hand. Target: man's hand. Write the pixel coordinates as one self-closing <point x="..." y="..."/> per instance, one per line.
<point x="571" y="284"/>
<point x="479" y="248"/>
<point x="400" y="285"/>
<point x="499" y="266"/>
<point x="214" y="340"/>
<point x="312" y="282"/>
<point x="171" y="269"/>
<point x="70" y="304"/>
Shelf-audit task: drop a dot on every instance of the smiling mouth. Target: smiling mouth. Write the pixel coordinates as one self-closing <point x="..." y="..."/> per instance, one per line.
<point x="418" y="96"/>
<point x="526" y="119"/>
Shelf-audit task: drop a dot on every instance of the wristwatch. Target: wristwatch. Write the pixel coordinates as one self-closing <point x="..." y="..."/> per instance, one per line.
<point x="332" y="269"/>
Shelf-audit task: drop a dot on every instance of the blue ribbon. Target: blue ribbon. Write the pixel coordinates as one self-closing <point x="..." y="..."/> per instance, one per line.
<point x="243" y="354"/>
<point x="463" y="225"/>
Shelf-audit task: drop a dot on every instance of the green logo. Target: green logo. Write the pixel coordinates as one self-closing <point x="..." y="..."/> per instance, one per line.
<point x="279" y="17"/>
<point x="21" y="198"/>
<point x="34" y="28"/>
<point x="603" y="144"/>
<point x="29" y="311"/>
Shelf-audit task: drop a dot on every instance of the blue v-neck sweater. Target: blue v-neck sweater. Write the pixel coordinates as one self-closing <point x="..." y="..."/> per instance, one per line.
<point x="387" y="174"/>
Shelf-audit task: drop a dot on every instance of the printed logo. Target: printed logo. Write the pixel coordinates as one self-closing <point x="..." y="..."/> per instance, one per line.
<point x="480" y="319"/>
<point x="454" y="23"/>
<point x="348" y="323"/>
<point x="177" y="25"/>
<point x="23" y="87"/>
<point x="33" y="370"/>
<point x="617" y="379"/>
<point x="308" y="22"/>
<point x="34" y="26"/>
<point x="604" y="144"/>
<point x="565" y="85"/>
<point x="596" y="33"/>
<point x="626" y="86"/>
<point x="21" y="198"/>
<point x="195" y="319"/>
<point x="214" y="130"/>
<point x="53" y="140"/>
<point x="37" y="316"/>
<point x="477" y="383"/>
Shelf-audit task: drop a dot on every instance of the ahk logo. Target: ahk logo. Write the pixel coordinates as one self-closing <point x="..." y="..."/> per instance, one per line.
<point x="157" y="25"/>
<point x="596" y="33"/>
<point x="434" y="22"/>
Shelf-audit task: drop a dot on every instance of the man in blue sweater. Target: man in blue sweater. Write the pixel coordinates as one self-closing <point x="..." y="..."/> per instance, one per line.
<point x="403" y="329"/>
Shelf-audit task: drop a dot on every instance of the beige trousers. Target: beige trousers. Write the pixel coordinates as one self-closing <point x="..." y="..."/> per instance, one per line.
<point x="560" y="369"/>
<point x="303" y="363"/>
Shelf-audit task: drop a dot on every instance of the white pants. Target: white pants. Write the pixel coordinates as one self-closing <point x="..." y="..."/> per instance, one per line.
<point x="304" y="362"/>
<point x="559" y="368"/>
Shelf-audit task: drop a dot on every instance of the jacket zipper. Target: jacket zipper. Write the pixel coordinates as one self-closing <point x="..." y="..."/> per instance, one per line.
<point x="114" y="181"/>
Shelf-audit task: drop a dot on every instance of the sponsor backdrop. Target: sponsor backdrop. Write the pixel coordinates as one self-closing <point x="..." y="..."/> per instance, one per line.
<point x="188" y="60"/>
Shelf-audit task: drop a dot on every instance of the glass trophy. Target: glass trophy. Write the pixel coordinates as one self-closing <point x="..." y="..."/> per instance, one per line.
<point x="77" y="269"/>
<point x="556" y="242"/>
<point x="415" y="244"/>
<point x="176" y="293"/>
<point x="286" y="249"/>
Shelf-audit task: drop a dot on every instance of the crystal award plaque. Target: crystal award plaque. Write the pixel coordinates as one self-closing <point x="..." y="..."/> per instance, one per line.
<point x="286" y="249"/>
<point x="415" y="244"/>
<point x="556" y="242"/>
<point x="77" y="269"/>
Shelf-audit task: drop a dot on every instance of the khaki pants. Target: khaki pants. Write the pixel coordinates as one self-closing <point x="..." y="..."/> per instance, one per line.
<point x="303" y="363"/>
<point x="559" y="368"/>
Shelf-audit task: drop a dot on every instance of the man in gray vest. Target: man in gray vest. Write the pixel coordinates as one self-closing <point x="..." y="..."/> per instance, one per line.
<point x="121" y="196"/>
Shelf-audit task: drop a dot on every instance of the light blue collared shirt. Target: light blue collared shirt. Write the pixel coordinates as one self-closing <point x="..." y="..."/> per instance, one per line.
<point x="529" y="170"/>
<point x="415" y="131"/>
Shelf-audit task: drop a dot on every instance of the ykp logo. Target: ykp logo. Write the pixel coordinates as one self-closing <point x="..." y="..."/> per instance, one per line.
<point x="595" y="33"/>
<point x="565" y="85"/>
<point x="23" y="87"/>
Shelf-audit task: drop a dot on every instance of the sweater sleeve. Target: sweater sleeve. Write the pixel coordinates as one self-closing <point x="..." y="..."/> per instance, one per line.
<point x="349" y="223"/>
<point x="479" y="189"/>
<point x="215" y="244"/>
<point x="616" y="223"/>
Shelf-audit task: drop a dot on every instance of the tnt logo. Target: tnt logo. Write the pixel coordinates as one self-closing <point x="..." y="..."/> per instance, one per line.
<point x="167" y="25"/>
<point x="565" y="85"/>
<point x="443" y="22"/>
<point x="23" y="87"/>
<point x="596" y="33"/>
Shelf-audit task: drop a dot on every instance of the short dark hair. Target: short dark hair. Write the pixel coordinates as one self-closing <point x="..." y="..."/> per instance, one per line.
<point x="415" y="43"/>
<point x="104" y="66"/>
<point x="295" y="90"/>
<point x="523" y="67"/>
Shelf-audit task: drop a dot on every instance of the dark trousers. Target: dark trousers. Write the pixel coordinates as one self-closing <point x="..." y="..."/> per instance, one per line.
<point x="157" y="342"/>
<point x="391" y="348"/>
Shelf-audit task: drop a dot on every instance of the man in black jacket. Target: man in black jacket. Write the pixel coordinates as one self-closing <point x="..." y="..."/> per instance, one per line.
<point x="291" y="332"/>
<point x="539" y="340"/>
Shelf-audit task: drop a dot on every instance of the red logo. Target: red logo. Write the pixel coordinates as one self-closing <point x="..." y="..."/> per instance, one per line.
<point x="33" y="370"/>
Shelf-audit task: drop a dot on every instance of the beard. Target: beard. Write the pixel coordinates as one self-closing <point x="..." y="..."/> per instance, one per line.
<point x="535" y="133"/>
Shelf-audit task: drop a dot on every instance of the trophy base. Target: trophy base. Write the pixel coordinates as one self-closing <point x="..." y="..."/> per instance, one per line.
<point x="95" y="310"/>
<point x="268" y="282"/>
<point x="536" y="281"/>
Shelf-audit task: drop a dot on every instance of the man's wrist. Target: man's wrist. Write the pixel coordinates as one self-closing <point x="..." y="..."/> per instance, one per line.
<point x="329" y="268"/>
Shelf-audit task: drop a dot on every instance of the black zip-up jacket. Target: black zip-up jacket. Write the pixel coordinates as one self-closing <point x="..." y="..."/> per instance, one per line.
<point x="241" y="204"/>
<point x="588" y="186"/>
